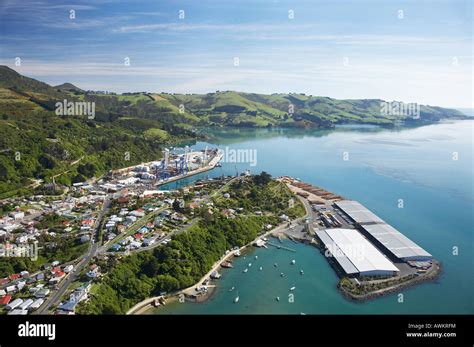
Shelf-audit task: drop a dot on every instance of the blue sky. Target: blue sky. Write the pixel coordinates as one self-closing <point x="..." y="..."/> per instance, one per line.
<point x="341" y="49"/>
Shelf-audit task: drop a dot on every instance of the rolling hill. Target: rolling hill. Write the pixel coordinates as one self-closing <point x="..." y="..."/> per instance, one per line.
<point x="36" y="143"/>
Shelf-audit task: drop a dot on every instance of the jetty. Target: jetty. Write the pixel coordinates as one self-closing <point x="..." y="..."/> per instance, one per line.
<point x="281" y="247"/>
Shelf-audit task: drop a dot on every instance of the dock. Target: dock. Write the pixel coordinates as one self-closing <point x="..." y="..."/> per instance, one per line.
<point x="282" y="247"/>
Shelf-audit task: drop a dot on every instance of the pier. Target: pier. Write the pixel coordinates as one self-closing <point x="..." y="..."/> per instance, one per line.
<point x="282" y="247"/>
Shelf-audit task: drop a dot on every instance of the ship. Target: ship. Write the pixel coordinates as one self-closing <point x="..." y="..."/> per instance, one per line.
<point x="227" y="264"/>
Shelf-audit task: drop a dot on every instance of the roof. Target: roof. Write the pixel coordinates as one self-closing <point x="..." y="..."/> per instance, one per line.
<point x="359" y="251"/>
<point x="5" y="300"/>
<point x="393" y="240"/>
<point x="397" y="243"/>
<point x="345" y="263"/>
<point x="358" y="212"/>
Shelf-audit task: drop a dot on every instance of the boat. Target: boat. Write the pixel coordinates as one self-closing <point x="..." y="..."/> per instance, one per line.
<point x="282" y="274"/>
<point x="292" y="288"/>
<point x="256" y="257"/>
<point x="215" y="275"/>
<point x="301" y="272"/>
<point x="293" y="262"/>
<point x="277" y="298"/>
<point x="237" y="254"/>
<point x="250" y="264"/>
<point x="231" y="289"/>
<point x="275" y="264"/>
<point x="227" y="264"/>
<point x="237" y="298"/>
<point x="261" y="268"/>
<point x="246" y="270"/>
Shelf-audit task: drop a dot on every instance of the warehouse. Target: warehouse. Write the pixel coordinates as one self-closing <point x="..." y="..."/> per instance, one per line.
<point x="401" y="247"/>
<point x="358" y="212"/>
<point x="355" y="254"/>
<point x="384" y="236"/>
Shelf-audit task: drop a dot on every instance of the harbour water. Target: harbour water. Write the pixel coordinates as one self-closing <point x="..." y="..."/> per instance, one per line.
<point x="420" y="180"/>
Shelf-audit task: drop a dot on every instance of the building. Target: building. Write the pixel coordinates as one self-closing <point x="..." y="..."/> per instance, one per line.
<point x="394" y="242"/>
<point x="14" y="304"/>
<point x="354" y="254"/>
<point x="27" y="303"/>
<point x="381" y="234"/>
<point x="36" y="304"/>
<point x="5" y="299"/>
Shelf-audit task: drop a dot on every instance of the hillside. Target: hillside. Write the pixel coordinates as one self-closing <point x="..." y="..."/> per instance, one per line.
<point x="294" y="110"/>
<point x="35" y="143"/>
<point x="68" y="87"/>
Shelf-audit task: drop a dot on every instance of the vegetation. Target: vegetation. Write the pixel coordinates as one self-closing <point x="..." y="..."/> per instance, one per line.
<point x="190" y="254"/>
<point x="36" y="144"/>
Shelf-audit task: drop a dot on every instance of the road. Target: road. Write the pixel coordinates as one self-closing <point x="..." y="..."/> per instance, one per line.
<point x="94" y="250"/>
<point x="84" y="260"/>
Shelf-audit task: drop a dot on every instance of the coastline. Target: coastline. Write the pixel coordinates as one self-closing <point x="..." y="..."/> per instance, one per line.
<point x="146" y="304"/>
<point x="190" y="294"/>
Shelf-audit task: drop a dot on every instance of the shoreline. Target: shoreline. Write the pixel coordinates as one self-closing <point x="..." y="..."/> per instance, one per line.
<point x="280" y="231"/>
<point x="425" y="278"/>
<point x="146" y="304"/>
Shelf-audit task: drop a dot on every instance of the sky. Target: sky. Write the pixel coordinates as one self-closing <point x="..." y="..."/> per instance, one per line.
<point x="411" y="51"/>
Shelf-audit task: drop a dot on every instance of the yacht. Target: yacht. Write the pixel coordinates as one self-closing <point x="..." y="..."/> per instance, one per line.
<point x="237" y="298"/>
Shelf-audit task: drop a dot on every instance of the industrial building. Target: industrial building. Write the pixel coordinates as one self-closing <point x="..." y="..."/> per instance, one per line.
<point x="357" y="212"/>
<point x="383" y="235"/>
<point x="395" y="242"/>
<point x="355" y="254"/>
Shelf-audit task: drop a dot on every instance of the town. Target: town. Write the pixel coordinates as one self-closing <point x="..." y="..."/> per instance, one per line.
<point x="49" y="241"/>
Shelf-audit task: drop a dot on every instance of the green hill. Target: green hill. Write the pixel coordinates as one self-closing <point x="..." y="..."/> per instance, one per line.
<point x="68" y="87"/>
<point x="36" y="143"/>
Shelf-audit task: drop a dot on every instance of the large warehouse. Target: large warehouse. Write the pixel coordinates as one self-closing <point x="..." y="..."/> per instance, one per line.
<point x="396" y="243"/>
<point x="358" y="212"/>
<point x="355" y="254"/>
<point x="383" y="235"/>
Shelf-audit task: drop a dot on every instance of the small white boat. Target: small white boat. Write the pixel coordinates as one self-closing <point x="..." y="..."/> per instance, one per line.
<point x="256" y="257"/>
<point x="282" y="274"/>
<point x="261" y="268"/>
<point x="250" y="264"/>
<point x="292" y="288"/>
<point x="237" y="254"/>
<point x="277" y="298"/>
<point x="246" y="270"/>
<point x="293" y="262"/>
<point x="275" y="264"/>
<point x="237" y="298"/>
<point x="231" y="289"/>
<point x="301" y="272"/>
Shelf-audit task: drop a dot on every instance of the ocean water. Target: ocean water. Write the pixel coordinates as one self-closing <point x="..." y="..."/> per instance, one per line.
<point x="429" y="168"/>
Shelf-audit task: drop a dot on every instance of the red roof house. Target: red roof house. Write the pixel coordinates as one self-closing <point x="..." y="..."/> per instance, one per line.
<point x="14" y="277"/>
<point x="5" y="300"/>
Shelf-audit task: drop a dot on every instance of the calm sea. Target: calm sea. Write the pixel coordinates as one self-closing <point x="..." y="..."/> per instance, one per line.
<point x="429" y="168"/>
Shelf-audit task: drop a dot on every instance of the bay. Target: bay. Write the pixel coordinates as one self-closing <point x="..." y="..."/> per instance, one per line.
<point x="428" y="169"/>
